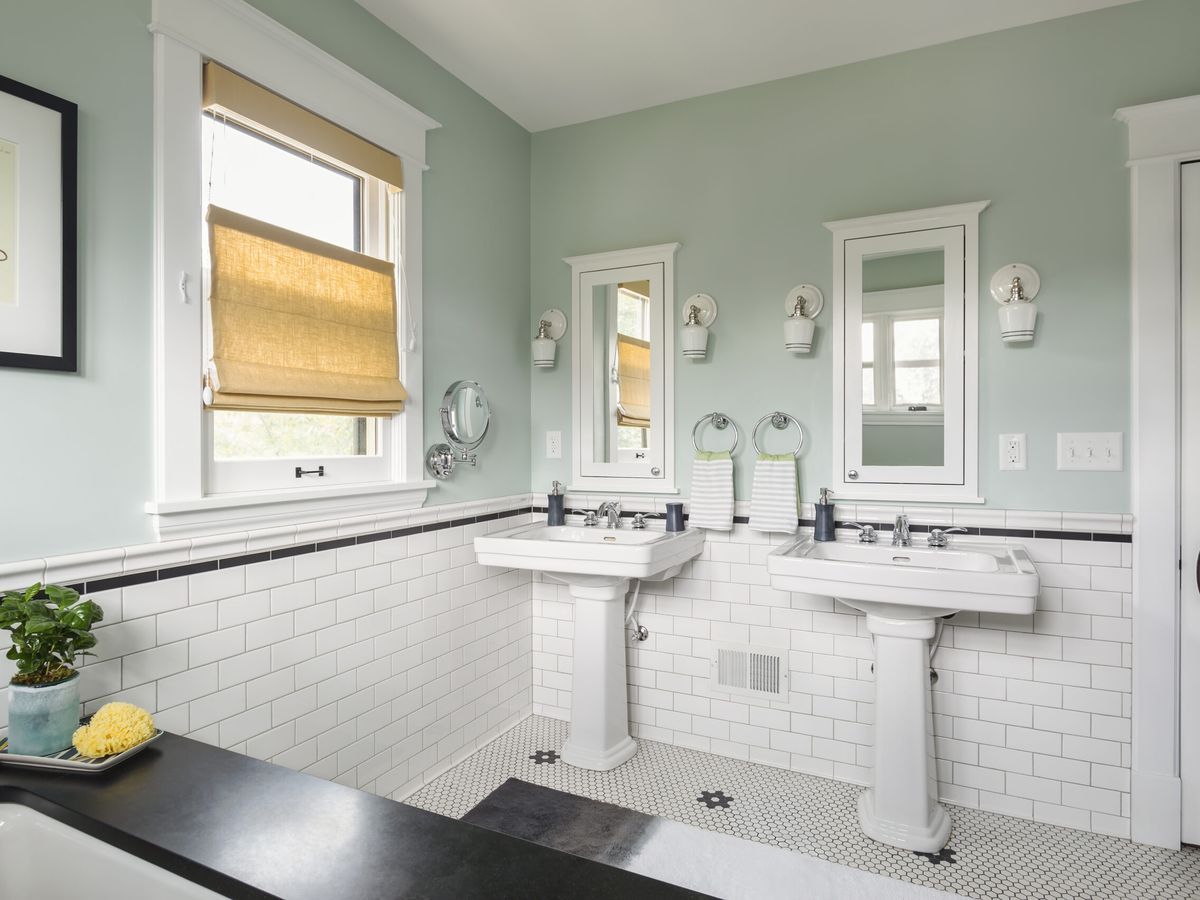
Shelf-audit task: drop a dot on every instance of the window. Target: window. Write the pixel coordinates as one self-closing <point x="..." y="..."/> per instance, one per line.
<point x="633" y="321"/>
<point x="259" y="173"/>
<point x="902" y="363"/>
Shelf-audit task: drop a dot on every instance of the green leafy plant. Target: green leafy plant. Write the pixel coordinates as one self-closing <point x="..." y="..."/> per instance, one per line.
<point x="51" y="628"/>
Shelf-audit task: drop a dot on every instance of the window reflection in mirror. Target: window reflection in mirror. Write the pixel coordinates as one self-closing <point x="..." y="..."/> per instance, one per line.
<point x="622" y="380"/>
<point x="903" y="350"/>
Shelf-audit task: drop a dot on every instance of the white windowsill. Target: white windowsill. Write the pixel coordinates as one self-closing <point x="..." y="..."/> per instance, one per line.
<point x="262" y="509"/>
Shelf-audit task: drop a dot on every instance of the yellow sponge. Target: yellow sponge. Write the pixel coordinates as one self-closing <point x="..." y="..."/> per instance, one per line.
<point x="113" y="729"/>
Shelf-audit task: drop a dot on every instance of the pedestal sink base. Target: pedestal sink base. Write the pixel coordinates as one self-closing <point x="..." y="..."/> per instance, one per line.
<point x="599" y="737"/>
<point x="901" y="807"/>
<point x="927" y="839"/>
<point x="598" y="760"/>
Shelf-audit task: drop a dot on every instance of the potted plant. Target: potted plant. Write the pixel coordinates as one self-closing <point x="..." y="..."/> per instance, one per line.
<point x="51" y="628"/>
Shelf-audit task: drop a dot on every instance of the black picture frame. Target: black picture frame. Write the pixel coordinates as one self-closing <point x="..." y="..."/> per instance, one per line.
<point x="68" y="359"/>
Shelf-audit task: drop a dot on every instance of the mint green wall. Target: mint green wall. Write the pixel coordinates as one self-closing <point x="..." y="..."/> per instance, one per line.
<point x="745" y="178"/>
<point x="76" y="449"/>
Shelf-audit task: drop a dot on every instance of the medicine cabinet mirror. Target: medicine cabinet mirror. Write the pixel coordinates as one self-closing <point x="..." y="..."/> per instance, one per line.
<point x="622" y="403"/>
<point x="906" y="355"/>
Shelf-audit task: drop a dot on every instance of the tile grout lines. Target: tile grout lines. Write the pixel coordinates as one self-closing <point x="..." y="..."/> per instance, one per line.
<point x="989" y="856"/>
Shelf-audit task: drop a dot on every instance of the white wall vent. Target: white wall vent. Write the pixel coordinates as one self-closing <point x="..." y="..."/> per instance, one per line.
<point x="749" y="671"/>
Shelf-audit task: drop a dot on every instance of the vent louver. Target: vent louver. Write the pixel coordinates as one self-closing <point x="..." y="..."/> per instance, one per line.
<point x="752" y="671"/>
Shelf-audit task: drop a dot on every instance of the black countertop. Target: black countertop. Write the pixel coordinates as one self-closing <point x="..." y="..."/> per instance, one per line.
<point x="246" y="828"/>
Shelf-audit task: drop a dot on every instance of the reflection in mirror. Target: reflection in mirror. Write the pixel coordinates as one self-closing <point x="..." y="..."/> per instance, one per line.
<point x="622" y="408"/>
<point x="621" y="379"/>
<point x="902" y="358"/>
<point x="466" y="414"/>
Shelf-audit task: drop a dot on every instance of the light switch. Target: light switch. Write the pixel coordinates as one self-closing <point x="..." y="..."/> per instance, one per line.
<point x="553" y="445"/>
<point x="1099" y="451"/>
<point x="1012" y="452"/>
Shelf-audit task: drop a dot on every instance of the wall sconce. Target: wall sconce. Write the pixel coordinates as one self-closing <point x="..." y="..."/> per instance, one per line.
<point x="699" y="312"/>
<point x="1013" y="287"/>
<point x="803" y="304"/>
<point x="551" y="327"/>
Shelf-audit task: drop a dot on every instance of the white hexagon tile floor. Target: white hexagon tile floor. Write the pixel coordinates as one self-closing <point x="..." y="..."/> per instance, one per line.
<point x="989" y="855"/>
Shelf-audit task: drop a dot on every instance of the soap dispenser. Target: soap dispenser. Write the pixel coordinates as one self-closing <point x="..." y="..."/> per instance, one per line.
<point x="554" y="505"/>
<point x="824" y="529"/>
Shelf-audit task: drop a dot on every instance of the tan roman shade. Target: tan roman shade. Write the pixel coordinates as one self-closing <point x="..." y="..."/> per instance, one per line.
<point x="228" y="94"/>
<point x="299" y="325"/>
<point x="633" y="380"/>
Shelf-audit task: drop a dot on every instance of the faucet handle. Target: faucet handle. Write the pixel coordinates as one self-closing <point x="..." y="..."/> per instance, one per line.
<point x="866" y="533"/>
<point x="940" y="537"/>
<point x="639" y="519"/>
<point x="589" y="519"/>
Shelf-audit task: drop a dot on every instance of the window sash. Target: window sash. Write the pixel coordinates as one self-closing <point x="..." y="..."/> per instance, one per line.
<point x="885" y="364"/>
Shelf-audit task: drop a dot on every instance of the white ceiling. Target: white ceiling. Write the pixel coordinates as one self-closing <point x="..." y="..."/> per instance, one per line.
<point x="548" y="63"/>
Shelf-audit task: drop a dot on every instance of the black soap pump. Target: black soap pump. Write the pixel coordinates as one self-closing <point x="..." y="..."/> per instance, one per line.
<point x="554" y="505"/>
<point x="823" y="530"/>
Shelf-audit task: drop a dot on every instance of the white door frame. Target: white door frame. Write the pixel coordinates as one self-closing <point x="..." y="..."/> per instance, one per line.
<point x="1162" y="136"/>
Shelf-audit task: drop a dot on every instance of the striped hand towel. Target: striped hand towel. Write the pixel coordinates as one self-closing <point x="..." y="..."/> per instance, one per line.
<point x="773" y="499"/>
<point x="712" y="491"/>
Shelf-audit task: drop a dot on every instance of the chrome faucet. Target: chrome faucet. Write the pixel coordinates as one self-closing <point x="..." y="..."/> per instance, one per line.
<point x="612" y="510"/>
<point x="900" y="535"/>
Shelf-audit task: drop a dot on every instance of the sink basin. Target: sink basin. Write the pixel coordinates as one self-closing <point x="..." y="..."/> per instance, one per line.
<point x="910" y="582"/>
<point x="577" y="555"/>
<point x="42" y="857"/>
<point x="903" y="590"/>
<point x="597" y="564"/>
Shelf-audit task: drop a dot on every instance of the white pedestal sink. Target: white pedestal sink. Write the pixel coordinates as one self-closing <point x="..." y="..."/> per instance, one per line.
<point x="903" y="591"/>
<point x="597" y="564"/>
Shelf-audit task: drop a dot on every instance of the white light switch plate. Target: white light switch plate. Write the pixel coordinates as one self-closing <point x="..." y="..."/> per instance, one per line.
<point x="553" y="445"/>
<point x="1099" y="451"/>
<point x="1012" y="453"/>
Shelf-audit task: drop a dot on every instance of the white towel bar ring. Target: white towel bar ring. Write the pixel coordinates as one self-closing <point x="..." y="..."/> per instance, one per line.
<point x="778" y="420"/>
<point x="719" y="421"/>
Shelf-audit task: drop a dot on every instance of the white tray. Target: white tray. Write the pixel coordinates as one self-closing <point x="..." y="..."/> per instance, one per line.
<point x="69" y="760"/>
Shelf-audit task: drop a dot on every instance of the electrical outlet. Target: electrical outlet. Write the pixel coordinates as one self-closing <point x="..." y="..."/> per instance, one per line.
<point x="553" y="445"/>
<point x="1012" y="452"/>
<point x="1091" y="451"/>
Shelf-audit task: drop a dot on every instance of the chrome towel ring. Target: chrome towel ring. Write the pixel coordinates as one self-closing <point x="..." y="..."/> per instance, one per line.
<point x="779" y="421"/>
<point x="719" y="421"/>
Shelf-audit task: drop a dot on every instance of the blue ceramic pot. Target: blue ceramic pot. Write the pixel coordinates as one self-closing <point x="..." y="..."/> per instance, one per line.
<point x="42" y="719"/>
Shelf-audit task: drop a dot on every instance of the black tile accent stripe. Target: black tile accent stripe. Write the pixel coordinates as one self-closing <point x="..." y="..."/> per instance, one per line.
<point x="119" y="581"/>
<point x="187" y="569"/>
<point x="1106" y="536"/>
<point x="297" y="550"/>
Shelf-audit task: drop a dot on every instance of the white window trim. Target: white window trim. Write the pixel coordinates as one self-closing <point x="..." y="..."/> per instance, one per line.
<point x="186" y="32"/>
<point x="884" y="366"/>
<point x="1162" y="137"/>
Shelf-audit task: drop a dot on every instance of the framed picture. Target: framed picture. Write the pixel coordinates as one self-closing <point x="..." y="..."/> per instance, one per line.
<point x="38" y="146"/>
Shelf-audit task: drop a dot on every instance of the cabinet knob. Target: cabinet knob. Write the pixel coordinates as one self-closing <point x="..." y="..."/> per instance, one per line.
<point x="852" y="474"/>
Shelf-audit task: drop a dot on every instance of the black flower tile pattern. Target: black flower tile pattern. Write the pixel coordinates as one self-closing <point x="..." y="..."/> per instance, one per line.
<point x="545" y="756"/>
<point x="714" y="799"/>
<point x="945" y="855"/>
<point x="995" y="857"/>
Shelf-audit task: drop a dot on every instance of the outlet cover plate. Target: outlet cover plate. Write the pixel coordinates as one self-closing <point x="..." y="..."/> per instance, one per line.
<point x="1012" y="453"/>
<point x="553" y="445"/>
<point x="1091" y="451"/>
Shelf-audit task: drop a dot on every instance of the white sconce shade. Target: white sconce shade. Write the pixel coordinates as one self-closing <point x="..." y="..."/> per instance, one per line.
<point x="1014" y="286"/>
<point x="803" y="304"/>
<point x="551" y="327"/>
<point x="700" y="311"/>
